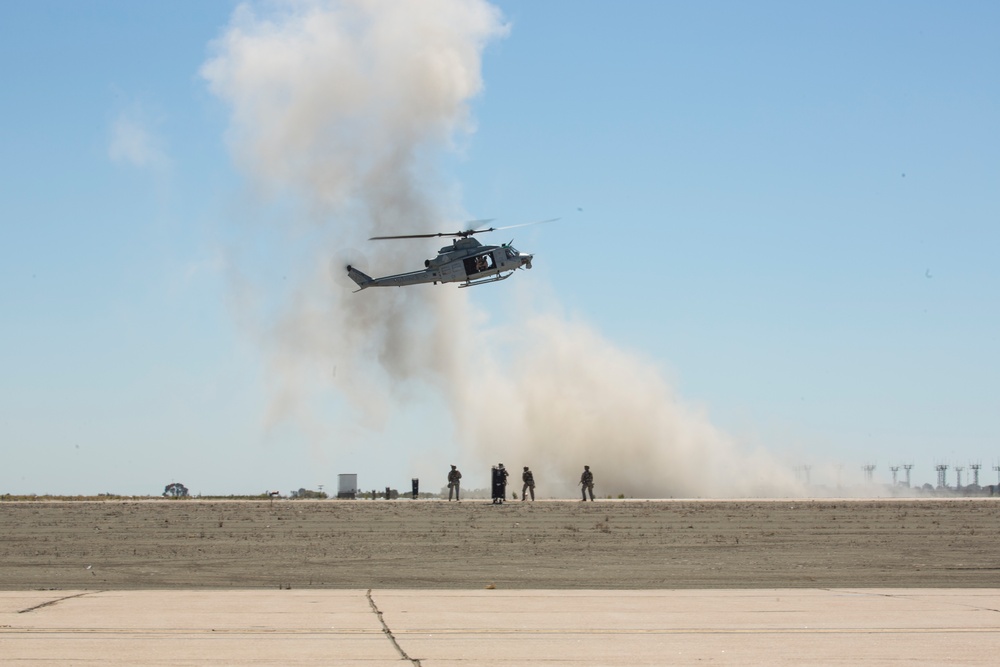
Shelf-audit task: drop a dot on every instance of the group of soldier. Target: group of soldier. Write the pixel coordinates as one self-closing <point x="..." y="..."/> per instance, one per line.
<point x="499" y="483"/>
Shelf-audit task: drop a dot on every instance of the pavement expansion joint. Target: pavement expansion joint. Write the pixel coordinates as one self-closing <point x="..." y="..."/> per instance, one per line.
<point x="387" y="631"/>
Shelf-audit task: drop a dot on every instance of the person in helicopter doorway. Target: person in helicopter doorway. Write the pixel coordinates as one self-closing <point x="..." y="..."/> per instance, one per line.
<point x="529" y="484"/>
<point x="454" y="482"/>
<point x="587" y="482"/>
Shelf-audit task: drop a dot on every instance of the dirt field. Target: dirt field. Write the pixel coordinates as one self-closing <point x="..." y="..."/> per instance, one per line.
<point x="552" y="544"/>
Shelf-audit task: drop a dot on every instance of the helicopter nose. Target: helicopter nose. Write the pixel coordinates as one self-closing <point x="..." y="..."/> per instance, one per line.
<point x="526" y="260"/>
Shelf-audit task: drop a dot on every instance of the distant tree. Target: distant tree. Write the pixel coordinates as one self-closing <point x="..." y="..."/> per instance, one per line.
<point x="175" y="490"/>
<point x="306" y="494"/>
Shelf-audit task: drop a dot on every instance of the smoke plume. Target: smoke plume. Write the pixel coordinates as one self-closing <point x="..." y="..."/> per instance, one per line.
<point x="343" y="108"/>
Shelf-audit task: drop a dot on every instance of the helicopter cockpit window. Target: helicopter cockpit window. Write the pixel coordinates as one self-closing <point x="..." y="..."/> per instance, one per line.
<point x="511" y="253"/>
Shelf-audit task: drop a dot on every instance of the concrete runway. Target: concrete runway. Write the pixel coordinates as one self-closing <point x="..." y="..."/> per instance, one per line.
<point x="501" y="627"/>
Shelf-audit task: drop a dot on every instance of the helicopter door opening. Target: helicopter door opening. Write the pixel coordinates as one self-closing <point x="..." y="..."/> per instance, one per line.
<point x="479" y="264"/>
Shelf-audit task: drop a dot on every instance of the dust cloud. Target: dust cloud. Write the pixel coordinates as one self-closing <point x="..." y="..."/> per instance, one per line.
<point x="343" y="109"/>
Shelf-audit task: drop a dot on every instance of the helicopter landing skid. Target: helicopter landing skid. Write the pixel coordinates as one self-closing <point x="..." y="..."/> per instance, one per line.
<point x="482" y="281"/>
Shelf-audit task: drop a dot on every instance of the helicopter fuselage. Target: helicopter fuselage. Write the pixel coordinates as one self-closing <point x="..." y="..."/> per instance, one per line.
<point x="465" y="261"/>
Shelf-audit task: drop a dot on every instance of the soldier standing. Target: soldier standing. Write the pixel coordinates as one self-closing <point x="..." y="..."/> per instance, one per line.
<point x="529" y="483"/>
<point x="454" y="482"/>
<point x="503" y="482"/>
<point x="587" y="482"/>
<point x="499" y="478"/>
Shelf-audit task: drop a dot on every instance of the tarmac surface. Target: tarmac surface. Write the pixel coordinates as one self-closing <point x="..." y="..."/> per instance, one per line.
<point x="437" y="628"/>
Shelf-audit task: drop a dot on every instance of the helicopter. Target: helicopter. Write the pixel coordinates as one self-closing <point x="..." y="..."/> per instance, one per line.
<point x="465" y="261"/>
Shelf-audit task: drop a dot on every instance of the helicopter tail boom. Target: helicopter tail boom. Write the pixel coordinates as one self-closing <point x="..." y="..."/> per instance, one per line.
<point x="362" y="279"/>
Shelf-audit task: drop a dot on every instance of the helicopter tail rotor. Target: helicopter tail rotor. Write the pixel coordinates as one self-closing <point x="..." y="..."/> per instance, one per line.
<point x="362" y="279"/>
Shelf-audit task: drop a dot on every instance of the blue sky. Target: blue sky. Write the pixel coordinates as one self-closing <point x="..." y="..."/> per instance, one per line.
<point x="788" y="210"/>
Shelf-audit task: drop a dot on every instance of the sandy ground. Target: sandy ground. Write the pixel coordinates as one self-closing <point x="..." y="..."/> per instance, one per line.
<point x="407" y="544"/>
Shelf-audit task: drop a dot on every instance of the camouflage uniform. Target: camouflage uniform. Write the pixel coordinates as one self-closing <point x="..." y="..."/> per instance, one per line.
<point x="529" y="483"/>
<point x="587" y="482"/>
<point x="454" y="481"/>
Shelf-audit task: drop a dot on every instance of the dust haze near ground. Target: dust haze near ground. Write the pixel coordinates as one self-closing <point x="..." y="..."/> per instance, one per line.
<point x="571" y="397"/>
<point x="469" y="545"/>
<point x="341" y="108"/>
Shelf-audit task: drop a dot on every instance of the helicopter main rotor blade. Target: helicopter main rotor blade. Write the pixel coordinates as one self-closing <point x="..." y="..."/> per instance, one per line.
<point x="523" y="224"/>
<point x="408" y="236"/>
<point x="468" y="232"/>
<point x="483" y="230"/>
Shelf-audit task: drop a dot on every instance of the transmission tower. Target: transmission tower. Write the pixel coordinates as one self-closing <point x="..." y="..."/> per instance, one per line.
<point x="869" y="468"/>
<point x="907" y="467"/>
<point x="958" y="475"/>
<point x="997" y="468"/>
<point x="942" y="470"/>
<point x="975" y="472"/>
<point x="895" y="474"/>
